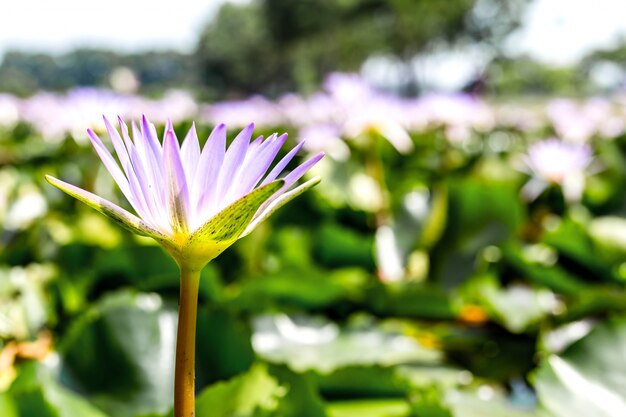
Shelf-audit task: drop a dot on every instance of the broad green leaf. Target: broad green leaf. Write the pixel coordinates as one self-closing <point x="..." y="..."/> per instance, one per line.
<point x="36" y="393"/>
<point x="588" y="379"/>
<point x="243" y="396"/>
<point x="551" y="276"/>
<point x="337" y="245"/>
<point x="369" y="408"/>
<point x="223" y="345"/>
<point x="315" y="343"/>
<point x="301" y="398"/>
<point x="517" y="307"/>
<point x="479" y="214"/>
<point x="121" y="354"/>
<point x="373" y="381"/>
<point x="469" y="404"/>
<point x="410" y="300"/>
<point x="609" y="233"/>
<point x="490" y="352"/>
<point x="589" y="245"/>
<point x="429" y="402"/>
<point x="8" y="407"/>
<point x="299" y="288"/>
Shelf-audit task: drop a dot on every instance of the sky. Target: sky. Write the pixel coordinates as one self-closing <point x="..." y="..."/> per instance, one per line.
<point x="60" y="25"/>
<point x="560" y="32"/>
<point x="555" y="31"/>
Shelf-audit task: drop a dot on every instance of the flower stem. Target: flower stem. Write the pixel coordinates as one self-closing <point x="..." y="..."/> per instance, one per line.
<point x="184" y="378"/>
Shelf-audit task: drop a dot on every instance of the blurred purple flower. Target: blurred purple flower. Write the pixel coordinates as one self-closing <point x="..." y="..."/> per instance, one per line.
<point x="175" y="105"/>
<point x="360" y="110"/>
<point x="456" y="112"/>
<point x="325" y="137"/>
<point x="579" y="122"/>
<point x="238" y="113"/>
<point x="319" y="108"/>
<point x="9" y="110"/>
<point x="55" y="115"/>
<point x="553" y="161"/>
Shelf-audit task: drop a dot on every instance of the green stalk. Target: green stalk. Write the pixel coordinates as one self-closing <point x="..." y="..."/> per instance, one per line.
<point x="184" y="377"/>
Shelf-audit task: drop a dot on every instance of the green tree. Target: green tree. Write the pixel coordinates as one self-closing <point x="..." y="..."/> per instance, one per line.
<point x="268" y="46"/>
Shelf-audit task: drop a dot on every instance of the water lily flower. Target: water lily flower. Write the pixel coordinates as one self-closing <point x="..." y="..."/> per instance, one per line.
<point x="361" y="110"/>
<point x="579" y="122"/>
<point x="195" y="203"/>
<point x="555" y="162"/>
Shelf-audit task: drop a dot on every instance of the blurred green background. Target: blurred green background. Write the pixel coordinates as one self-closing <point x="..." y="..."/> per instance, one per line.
<point x="454" y="261"/>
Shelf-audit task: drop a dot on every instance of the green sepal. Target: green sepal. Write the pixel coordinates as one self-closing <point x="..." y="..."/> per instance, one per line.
<point x="229" y="223"/>
<point x="122" y="217"/>
<point x="278" y="203"/>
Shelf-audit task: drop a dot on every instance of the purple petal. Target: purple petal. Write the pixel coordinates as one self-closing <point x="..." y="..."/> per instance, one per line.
<point x="257" y="166"/>
<point x="300" y="170"/>
<point x="149" y="189"/>
<point x="110" y="164"/>
<point x="233" y="160"/>
<point x="190" y="153"/>
<point x="148" y="132"/>
<point x="256" y="144"/>
<point x="141" y="206"/>
<point x="120" y="148"/>
<point x="125" y="135"/>
<point x="207" y="173"/>
<point x="280" y="166"/>
<point x="176" y="183"/>
<point x="152" y="167"/>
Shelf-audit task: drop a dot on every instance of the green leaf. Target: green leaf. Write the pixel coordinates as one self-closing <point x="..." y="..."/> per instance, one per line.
<point x="588" y="379"/>
<point x="121" y="354"/>
<point x="362" y="353"/>
<point x="223" y="346"/>
<point x="420" y="218"/>
<point x="292" y="287"/>
<point x="337" y="245"/>
<point x="469" y="404"/>
<point x="369" y="408"/>
<point x="410" y="300"/>
<point x="590" y="246"/>
<point x="490" y="352"/>
<point x="301" y="398"/>
<point x="480" y="214"/>
<point x="365" y="381"/>
<point x="517" y="307"/>
<point x="37" y="394"/>
<point x="8" y="408"/>
<point x="609" y="233"/>
<point x="436" y="222"/>
<point x="243" y="396"/>
<point x="429" y="402"/>
<point x="551" y="276"/>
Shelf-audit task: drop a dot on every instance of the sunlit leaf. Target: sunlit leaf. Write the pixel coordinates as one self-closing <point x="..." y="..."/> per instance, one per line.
<point x="588" y="379"/>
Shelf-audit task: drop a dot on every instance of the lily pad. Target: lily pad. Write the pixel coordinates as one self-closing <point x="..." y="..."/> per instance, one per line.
<point x="588" y="379"/>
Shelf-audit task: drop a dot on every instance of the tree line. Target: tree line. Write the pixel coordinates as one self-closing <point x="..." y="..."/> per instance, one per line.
<point x="273" y="46"/>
